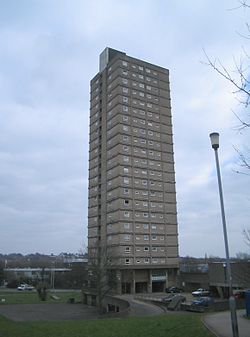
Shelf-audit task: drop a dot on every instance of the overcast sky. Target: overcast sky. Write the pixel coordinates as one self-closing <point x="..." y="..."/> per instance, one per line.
<point x="49" y="51"/>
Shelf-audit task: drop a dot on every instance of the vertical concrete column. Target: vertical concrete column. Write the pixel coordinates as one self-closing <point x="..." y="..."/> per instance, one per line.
<point x="119" y="282"/>
<point x="149" y="290"/>
<point x="166" y="282"/>
<point x="133" y="282"/>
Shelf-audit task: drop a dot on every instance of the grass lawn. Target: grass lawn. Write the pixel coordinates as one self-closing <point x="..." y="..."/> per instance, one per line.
<point x="31" y="297"/>
<point x="179" y="325"/>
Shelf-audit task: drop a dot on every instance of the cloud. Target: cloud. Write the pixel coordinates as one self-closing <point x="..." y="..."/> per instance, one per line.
<point x="49" y="52"/>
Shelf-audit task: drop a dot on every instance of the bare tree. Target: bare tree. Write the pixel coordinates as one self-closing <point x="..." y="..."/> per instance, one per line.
<point x="246" y="234"/>
<point x="101" y="274"/>
<point x="239" y="78"/>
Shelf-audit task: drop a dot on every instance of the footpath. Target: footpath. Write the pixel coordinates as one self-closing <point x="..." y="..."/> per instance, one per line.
<point x="220" y="324"/>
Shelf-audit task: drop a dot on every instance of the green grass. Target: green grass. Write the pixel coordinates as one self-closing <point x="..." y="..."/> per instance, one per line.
<point x="179" y="325"/>
<point x="31" y="297"/>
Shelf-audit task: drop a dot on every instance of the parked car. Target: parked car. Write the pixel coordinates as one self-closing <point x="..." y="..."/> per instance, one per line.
<point x="170" y="298"/>
<point x="24" y="287"/>
<point x="201" y="292"/>
<point x="174" y="290"/>
<point x="203" y="302"/>
<point x="239" y="294"/>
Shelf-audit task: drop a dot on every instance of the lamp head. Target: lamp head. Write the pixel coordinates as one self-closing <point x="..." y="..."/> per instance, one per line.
<point x="214" y="137"/>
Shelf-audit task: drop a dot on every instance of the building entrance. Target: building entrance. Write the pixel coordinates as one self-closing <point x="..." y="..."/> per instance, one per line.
<point x="158" y="287"/>
<point x="126" y="288"/>
<point x="141" y="287"/>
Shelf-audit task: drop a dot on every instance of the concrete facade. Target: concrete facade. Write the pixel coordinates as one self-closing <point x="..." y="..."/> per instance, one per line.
<point x="132" y="198"/>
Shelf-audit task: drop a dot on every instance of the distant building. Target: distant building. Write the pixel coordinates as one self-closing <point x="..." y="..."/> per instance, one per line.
<point x="132" y="198"/>
<point x="35" y="274"/>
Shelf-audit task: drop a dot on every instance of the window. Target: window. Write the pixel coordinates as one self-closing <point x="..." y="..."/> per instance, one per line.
<point x="138" y="249"/>
<point x="125" y="148"/>
<point x="127" y="261"/>
<point x="161" y="238"/>
<point x="144" y="182"/>
<point x="126" y="214"/>
<point x="141" y="77"/>
<point x="124" y="81"/>
<point x="141" y="85"/>
<point x="146" y="237"/>
<point x="140" y="68"/>
<point x="154" y="237"/>
<point x="125" y="138"/>
<point x="145" y="226"/>
<point x="124" y="63"/>
<point x="146" y="260"/>
<point x="127" y="249"/>
<point x="148" y="70"/>
<point x="153" y="227"/>
<point x="126" y="180"/>
<point x="125" y="158"/>
<point x="146" y="249"/>
<point x="125" y="99"/>
<point x="125" y="169"/>
<point x="126" y="226"/>
<point x="145" y="203"/>
<point x="125" y="108"/>
<point x="125" y="191"/>
<point x="127" y="237"/>
<point x="138" y="261"/>
<point x="154" y="249"/>
<point x="137" y="238"/>
<point x="126" y="202"/>
<point x="125" y="128"/>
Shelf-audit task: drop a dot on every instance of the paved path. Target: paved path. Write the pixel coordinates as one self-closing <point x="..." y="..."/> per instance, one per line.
<point x="140" y="308"/>
<point x="220" y="324"/>
<point x="65" y="311"/>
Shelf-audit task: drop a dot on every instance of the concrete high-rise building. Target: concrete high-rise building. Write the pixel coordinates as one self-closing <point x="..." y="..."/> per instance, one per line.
<point x="132" y="198"/>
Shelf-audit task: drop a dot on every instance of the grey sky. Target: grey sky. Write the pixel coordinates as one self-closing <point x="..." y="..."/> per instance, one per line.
<point x="49" y="52"/>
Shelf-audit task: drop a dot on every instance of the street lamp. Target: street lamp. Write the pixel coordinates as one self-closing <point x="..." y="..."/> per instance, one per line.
<point x="215" y="145"/>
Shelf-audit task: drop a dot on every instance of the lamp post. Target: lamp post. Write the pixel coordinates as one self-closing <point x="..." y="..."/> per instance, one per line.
<point x="215" y="145"/>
